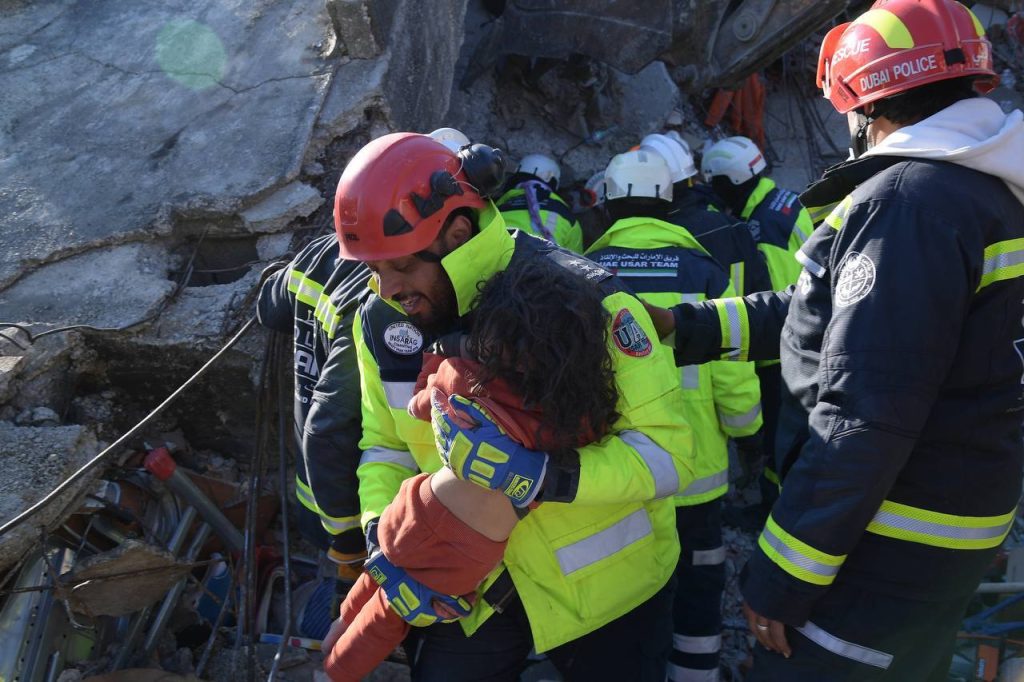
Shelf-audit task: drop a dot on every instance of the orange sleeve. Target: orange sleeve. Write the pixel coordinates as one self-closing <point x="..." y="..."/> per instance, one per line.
<point x="357" y="597"/>
<point x="373" y="634"/>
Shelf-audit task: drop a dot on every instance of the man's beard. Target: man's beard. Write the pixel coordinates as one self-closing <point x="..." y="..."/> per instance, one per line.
<point x="443" y="312"/>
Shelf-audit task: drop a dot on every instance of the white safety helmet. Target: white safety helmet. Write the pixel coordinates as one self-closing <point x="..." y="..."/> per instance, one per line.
<point x="737" y="158"/>
<point x="544" y="167"/>
<point x="451" y="138"/>
<point x="678" y="157"/>
<point x="679" y="139"/>
<point x="595" y="185"/>
<point x="637" y="174"/>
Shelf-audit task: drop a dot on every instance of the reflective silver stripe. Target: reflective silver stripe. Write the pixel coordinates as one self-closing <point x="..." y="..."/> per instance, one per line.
<point x="399" y="393"/>
<point x="388" y="456"/>
<point x="840" y="647"/>
<point x="738" y="421"/>
<point x="605" y="543"/>
<point x="306" y="498"/>
<point x="800" y="234"/>
<point x="732" y="311"/>
<point x="551" y="223"/>
<point x="691" y="373"/>
<point x="659" y="462"/>
<point x="804" y="562"/>
<point x="337" y="525"/>
<point x="697" y="645"/>
<point x="941" y="530"/>
<point x="708" y="557"/>
<point x="677" y="673"/>
<point x="1002" y="260"/>
<point x="691" y="376"/>
<point x="736" y="275"/>
<point x="812" y="267"/>
<point x="705" y="485"/>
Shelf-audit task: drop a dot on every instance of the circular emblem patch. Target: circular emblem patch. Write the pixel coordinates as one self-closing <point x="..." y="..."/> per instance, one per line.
<point x="629" y="336"/>
<point x="856" y="279"/>
<point x="403" y="338"/>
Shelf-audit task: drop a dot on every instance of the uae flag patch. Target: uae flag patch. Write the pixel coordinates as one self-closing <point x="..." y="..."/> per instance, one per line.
<point x="629" y="336"/>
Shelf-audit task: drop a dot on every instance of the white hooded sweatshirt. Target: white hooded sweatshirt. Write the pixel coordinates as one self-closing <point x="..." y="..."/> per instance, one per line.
<point x="974" y="133"/>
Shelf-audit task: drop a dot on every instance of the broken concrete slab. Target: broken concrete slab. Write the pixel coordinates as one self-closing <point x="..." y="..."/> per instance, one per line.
<point x="174" y="107"/>
<point x="128" y="578"/>
<point x="645" y="100"/>
<point x="275" y="212"/>
<point x="107" y="287"/>
<point x="35" y="460"/>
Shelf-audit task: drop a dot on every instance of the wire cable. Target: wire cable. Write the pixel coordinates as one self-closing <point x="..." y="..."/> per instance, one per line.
<point x="98" y="459"/>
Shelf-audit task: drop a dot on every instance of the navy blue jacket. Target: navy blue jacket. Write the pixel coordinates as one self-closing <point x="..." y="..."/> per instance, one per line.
<point x="315" y="298"/>
<point x="902" y="348"/>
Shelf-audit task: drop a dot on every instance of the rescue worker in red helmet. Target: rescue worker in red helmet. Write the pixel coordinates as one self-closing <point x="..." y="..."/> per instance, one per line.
<point x="899" y="445"/>
<point x="588" y="575"/>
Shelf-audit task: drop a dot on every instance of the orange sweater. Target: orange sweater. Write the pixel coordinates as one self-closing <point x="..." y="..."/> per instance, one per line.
<point x="419" y="534"/>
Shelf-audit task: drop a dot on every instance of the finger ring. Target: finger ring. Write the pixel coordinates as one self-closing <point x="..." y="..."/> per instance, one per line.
<point x="762" y="626"/>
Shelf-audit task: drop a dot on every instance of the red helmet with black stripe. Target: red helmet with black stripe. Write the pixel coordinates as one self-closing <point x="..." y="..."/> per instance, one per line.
<point x="395" y="195"/>
<point x="899" y="45"/>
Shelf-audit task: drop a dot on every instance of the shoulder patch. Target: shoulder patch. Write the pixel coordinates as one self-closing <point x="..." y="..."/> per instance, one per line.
<point x="629" y="336"/>
<point x="856" y="279"/>
<point x="403" y="338"/>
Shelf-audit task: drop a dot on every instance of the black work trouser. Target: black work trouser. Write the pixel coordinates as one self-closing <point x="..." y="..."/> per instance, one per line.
<point x="857" y="635"/>
<point x="633" y="647"/>
<point x="770" y="378"/>
<point x="700" y="576"/>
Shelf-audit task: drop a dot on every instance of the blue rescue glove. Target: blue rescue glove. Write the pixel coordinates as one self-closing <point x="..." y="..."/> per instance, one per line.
<point x="481" y="452"/>
<point x="412" y="600"/>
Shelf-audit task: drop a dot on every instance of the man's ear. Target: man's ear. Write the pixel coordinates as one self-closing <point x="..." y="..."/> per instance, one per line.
<point x="458" y="233"/>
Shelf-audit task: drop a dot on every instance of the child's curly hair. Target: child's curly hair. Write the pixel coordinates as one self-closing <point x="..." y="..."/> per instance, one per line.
<point x="544" y="331"/>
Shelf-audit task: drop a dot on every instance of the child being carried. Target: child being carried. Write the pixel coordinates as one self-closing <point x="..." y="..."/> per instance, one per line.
<point x="536" y="362"/>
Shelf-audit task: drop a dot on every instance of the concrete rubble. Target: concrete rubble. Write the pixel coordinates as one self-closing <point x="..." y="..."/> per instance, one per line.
<point x="156" y="159"/>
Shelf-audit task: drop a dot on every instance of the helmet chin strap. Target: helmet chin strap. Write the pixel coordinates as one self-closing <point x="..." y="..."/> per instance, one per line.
<point x="859" y="138"/>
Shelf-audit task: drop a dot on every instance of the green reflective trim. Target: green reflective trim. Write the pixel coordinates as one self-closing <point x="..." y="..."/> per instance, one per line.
<point x="799" y="236"/>
<point x="332" y="524"/>
<point x="736" y="275"/>
<point x="772" y="477"/>
<point x="798" y="558"/>
<point x="903" y="522"/>
<point x="819" y="213"/>
<point x="761" y="190"/>
<point x="837" y="218"/>
<point x="305" y="289"/>
<point x="305" y="496"/>
<point x="1003" y="261"/>
<point x="889" y="26"/>
<point x="311" y="293"/>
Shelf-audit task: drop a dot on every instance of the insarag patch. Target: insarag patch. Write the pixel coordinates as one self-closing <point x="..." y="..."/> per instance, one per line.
<point x="403" y="338"/>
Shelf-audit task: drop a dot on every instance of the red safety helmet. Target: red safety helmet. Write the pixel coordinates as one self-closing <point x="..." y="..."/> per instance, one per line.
<point x="395" y="195"/>
<point x="898" y="45"/>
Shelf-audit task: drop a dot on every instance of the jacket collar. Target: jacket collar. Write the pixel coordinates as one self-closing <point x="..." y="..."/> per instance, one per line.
<point x="757" y="196"/>
<point x="654" y="235"/>
<point x="480" y="258"/>
<point x="473" y="263"/>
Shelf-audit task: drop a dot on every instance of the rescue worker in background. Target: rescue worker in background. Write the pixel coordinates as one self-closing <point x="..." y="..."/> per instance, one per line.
<point x="726" y="240"/>
<point x="734" y="168"/>
<point x="313" y="298"/>
<point x="901" y="356"/>
<point x="588" y="576"/>
<point x="665" y="265"/>
<point x="530" y="203"/>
